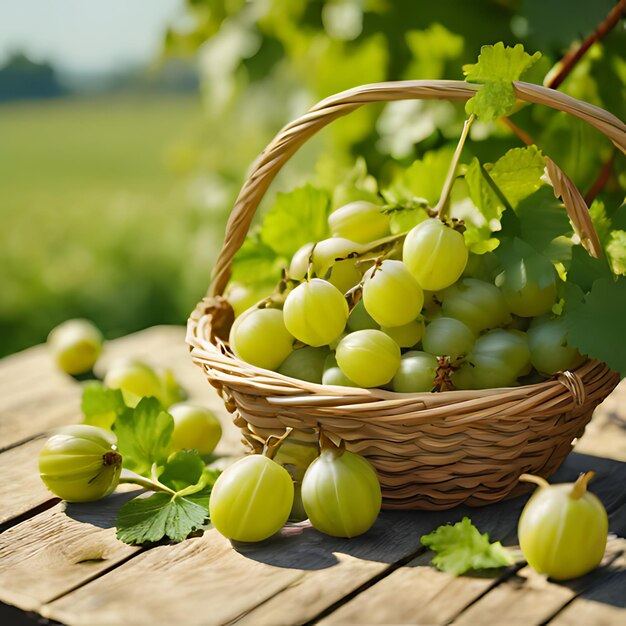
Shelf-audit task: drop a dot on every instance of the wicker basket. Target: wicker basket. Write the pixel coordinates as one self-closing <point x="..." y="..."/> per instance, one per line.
<point x="431" y="450"/>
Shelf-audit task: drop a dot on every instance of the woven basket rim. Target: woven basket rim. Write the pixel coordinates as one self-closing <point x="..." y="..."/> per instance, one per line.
<point x="278" y="385"/>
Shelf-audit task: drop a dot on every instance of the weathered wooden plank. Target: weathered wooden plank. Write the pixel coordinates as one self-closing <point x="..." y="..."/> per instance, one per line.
<point x="604" y="604"/>
<point x="21" y="488"/>
<point x="414" y="594"/>
<point x="528" y="598"/>
<point x="55" y="551"/>
<point x="35" y="396"/>
<point x="37" y="416"/>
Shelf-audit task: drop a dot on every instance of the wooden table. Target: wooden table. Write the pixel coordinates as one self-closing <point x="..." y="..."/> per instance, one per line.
<point x="64" y="562"/>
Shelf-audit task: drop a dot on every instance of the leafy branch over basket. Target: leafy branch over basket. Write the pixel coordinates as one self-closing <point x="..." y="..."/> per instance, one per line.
<point x="521" y="251"/>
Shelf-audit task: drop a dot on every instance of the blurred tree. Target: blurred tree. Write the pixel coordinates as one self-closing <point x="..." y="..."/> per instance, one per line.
<point x="21" y="78"/>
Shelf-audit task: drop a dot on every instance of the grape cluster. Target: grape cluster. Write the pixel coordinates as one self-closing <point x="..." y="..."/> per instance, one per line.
<point x="409" y="314"/>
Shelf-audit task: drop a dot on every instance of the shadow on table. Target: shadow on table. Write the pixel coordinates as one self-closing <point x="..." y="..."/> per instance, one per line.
<point x="101" y="513"/>
<point x="396" y="534"/>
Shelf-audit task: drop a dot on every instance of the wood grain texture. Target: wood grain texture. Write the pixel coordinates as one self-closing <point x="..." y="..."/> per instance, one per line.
<point x="21" y="488"/>
<point x="528" y="598"/>
<point x="603" y="604"/>
<point x="35" y="396"/>
<point x="606" y="434"/>
<point x="424" y="596"/>
<point x="291" y="578"/>
<point x="55" y="551"/>
<point x="441" y="596"/>
<point x="314" y="570"/>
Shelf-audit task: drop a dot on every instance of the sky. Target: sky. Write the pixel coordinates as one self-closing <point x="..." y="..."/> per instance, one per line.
<point x="86" y="36"/>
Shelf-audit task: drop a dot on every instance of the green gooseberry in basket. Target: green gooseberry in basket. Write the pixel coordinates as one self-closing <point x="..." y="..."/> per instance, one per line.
<point x="75" y="345"/>
<point x="80" y="463"/>
<point x="563" y="528"/>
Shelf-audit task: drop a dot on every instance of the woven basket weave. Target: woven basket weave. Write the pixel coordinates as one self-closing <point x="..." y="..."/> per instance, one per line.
<point x="431" y="450"/>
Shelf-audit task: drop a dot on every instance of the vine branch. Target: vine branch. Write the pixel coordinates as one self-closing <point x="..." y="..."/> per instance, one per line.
<point x="568" y="62"/>
<point x="601" y="180"/>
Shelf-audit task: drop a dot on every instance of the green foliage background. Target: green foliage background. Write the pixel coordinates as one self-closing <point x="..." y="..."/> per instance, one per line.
<point x="114" y="209"/>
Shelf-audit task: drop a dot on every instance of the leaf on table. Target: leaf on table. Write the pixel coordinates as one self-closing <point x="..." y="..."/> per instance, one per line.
<point x="100" y="405"/>
<point x="593" y="324"/>
<point x="143" y="436"/>
<point x="297" y="218"/>
<point x="461" y="548"/>
<point x="150" y="519"/>
<point x="497" y="67"/>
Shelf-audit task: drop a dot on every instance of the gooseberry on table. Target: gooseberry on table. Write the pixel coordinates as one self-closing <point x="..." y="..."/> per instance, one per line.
<point x="80" y="463"/>
<point x="563" y="528"/>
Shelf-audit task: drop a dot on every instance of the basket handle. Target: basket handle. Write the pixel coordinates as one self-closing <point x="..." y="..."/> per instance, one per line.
<point x="294" y="134"/>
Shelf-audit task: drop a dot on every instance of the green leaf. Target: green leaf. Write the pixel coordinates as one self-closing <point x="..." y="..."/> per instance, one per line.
<point x="256" y="263"/>
<point x="183" y="469"/>
<point x="542" y="218"/>
<point x="521" y="263"/>
<point x="423" y="180"/>
<point x="150" y="519"/>
<point x="518" y="173"/>
<point x="493" y="100"/>
<point x="432" y="49"/>
<point x="497" y="67"/>
<point x="493" y="187"/>
<point x="601" y="221"/>
<point x="595" y="325"/>
<point x="348" y="184"/>
<point x="297" y="218"/>
<point x="461" y="548"/>
<point x="143" y="436"/>
<point x="584" y="269"/>
<point x="100" y="405"/>
<point x="616" y="251"/>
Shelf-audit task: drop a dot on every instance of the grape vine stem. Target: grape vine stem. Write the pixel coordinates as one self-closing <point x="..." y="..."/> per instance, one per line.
<point x="442" y="206"/>
<point x="568" y="62"/>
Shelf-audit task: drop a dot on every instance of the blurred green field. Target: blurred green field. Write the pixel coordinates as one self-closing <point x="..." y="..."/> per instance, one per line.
<point x="95" y="222"/>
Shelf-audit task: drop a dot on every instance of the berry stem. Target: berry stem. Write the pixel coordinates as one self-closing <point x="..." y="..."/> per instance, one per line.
<point x="151" y="485"/>
<point x="580" y="486"/>
<point x="442" y="206"/>
<point x="538" y="480"/>
<point x="273" y="443"/>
